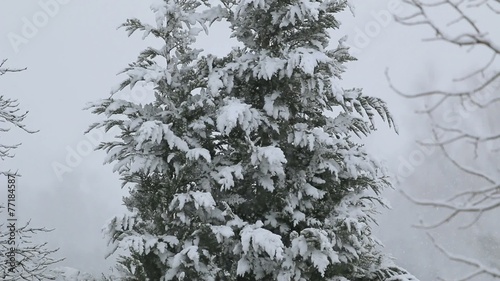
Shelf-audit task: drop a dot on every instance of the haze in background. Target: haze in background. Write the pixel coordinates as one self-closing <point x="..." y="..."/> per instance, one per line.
<point x="73" y="58"/>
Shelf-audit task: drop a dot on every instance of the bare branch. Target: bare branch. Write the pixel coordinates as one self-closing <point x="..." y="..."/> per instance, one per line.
<point x="479" y="100"/>
<point x="479" y="71"/>
<point x="10" y="115"/>
<point x="6" y="70"/>
<point x="33" y="261"/>
<point x="478" y="268"/>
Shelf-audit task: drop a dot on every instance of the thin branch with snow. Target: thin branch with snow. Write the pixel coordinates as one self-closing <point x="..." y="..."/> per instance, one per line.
<point x="10" y="115"/>
<point x="464" y="144"/>
<point x="478" y="268"/>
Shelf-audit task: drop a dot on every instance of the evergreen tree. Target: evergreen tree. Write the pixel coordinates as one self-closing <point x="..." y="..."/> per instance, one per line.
<point x="245" y="167"/>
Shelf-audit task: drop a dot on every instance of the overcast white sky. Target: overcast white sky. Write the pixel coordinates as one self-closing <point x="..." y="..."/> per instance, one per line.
<point x="73" y="58"/>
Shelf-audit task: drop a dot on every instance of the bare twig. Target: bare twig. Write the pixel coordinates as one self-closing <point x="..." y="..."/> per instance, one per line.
<point x="478" y="268"/>
<point x="479" y="100"/>
<point x="10" y="115"/>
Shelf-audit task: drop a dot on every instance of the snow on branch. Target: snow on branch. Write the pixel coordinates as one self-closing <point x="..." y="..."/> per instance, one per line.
<point x="10" y="115"/>
<point x="470" y="35"/>
<point x="478" y="268"/>
<point x="460" y="117"/>
<point x="465" y="106"/>
<point x="34" y="261"/>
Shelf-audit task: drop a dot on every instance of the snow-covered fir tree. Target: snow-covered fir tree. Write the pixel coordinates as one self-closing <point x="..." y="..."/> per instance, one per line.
<point x="246" y="167"/>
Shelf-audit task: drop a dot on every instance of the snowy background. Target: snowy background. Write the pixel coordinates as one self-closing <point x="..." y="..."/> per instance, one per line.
<point x="73" y="55"/>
